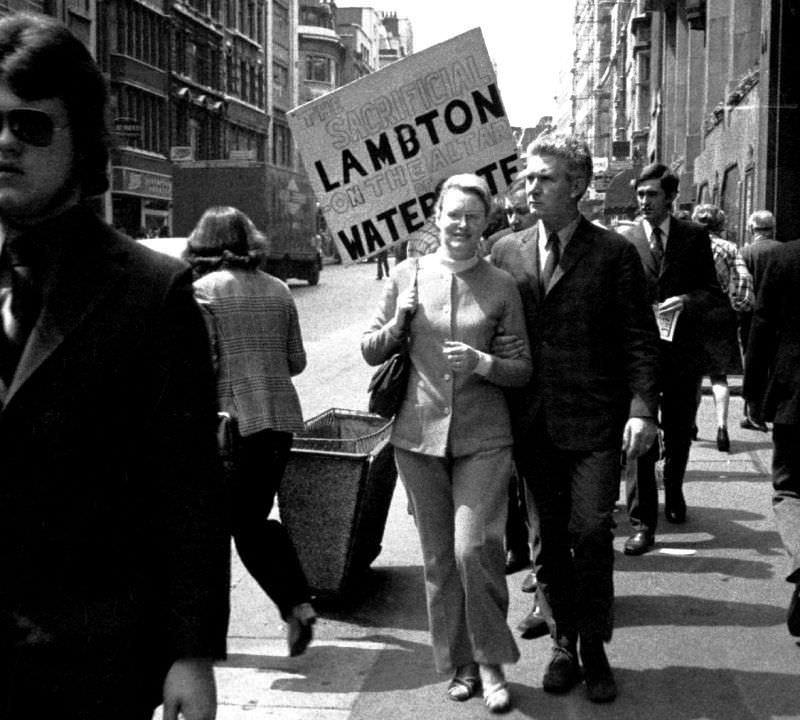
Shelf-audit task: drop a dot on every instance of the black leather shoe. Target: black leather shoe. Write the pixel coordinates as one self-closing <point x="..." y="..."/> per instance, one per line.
<point x="639" y="543"/>
<point x="562" y="672"/>
<point x="675" y="507"/>
<point x="533" y="625"/>
<point x="793" y="616"/>
<point x="749" y="424"/>
<point x="529" y="583"/>
<point x="723" y="441"/>
<point x="600" y="684"/>
<point x="516" y="561"/>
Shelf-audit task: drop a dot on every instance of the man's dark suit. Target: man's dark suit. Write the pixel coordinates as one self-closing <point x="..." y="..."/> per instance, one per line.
<point x="687" y="270"/>
<point x="755" y="256"/>
<point x="114" y="550"/>
<point x="772" y="386"/>
<point x="593" y="341"/>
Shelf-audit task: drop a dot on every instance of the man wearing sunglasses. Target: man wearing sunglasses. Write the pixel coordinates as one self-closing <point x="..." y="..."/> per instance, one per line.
<point x="114" y="550"/>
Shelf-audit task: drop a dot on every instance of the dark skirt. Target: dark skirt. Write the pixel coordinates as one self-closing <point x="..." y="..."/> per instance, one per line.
<point x="721" y="353"/>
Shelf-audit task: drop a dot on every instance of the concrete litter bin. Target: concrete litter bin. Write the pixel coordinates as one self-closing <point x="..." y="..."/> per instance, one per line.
<point x="335" y="495"/>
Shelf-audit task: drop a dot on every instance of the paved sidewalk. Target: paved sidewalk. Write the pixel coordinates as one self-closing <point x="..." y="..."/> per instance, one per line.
<point x="700" y="621"/>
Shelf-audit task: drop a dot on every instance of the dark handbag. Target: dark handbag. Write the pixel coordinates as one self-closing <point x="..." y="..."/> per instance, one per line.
<point x="387" y="388"/>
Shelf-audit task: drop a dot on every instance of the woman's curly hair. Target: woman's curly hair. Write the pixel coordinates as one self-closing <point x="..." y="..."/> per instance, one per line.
<point x="224" y="237"/>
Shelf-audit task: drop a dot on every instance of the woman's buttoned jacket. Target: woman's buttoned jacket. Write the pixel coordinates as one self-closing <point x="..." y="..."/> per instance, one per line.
<point x="445" y="412"/>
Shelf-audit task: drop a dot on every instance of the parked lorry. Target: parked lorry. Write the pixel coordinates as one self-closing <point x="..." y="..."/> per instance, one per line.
<point x="279" y="201"/>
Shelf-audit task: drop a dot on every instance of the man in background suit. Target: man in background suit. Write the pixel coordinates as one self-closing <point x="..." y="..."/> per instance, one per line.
<point x="592" y="396"/>
<point x="772" y="391"/>
<point x="761" y="226"/>
<point x="679" y="267"/>
<point x="114" y="549"/>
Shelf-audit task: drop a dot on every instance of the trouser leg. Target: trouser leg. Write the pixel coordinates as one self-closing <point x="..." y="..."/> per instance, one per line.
<point x="460" y="511"/>
<point x="786" y="497"/>
<point x="264" y="545"/>
<point x="595" y="479"/>
<point x="547" y="486"/>
<point x="642" y="492"/>
<point x="516" y="525"/>
<point x="677" y="417"/>
<point x="480" y="492"/>
<point x="574" y="495"/>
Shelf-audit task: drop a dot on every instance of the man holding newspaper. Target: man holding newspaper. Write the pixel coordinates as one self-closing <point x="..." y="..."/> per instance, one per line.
<point x="681" y="283"/>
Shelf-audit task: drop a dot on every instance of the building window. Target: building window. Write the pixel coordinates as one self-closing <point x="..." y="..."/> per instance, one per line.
<point x="280" y="80"/>
<point x="139" y="33"/>
<point x="280" y="23"/>
<point x="281" y="145"/>
<point x="232" y="78"/>
<point x="747" y="201"/>
<point x="730" y="202"/>
<point x="319" y="69"/>
<point x="149" y="111"/>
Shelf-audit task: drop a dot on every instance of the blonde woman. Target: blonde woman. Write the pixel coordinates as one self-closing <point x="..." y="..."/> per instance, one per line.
<point x="452" y="436"/>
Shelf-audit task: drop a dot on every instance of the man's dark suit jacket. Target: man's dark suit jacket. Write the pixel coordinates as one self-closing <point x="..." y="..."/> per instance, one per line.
<point x="772" y="367"/>
<point x="114" y="544"/>
<point x="688" y="270"/>
<point x="756" y="255"/>
<point x="593" y="338"/>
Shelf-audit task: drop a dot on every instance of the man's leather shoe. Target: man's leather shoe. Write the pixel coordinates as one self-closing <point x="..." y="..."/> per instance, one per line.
<point x="516" y="561"/>
<point x="675" y="507"/>
<point x="723" y="441"/>
<point x="562" y="672"/>
<point x="533" y="625"/>
<point x="749" y="424"/>
<point x="529" y="583"/>
<point x="600" y="684"/>
<point x="639" y="543"/>
<point x="793" y="616"/>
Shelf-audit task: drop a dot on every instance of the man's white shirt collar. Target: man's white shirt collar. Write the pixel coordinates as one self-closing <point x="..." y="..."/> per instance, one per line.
<point x="648" y="230"/>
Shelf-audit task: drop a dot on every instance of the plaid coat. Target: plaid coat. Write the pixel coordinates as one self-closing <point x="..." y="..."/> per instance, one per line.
<point x="257" y="347"/>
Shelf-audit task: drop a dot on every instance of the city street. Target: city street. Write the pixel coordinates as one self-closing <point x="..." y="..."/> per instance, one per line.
<point x="700" y="620"/>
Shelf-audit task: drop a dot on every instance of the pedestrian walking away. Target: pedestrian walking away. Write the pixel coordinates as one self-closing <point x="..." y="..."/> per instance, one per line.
<point x="592" y="395"/>
<point x="721" y="351"/>
<point x="452" y="435"/>
<point x="257" y="347"/>
<point x="772" y="391"/>
<point x="761" y="227"/>
<point x="114" y="541"/>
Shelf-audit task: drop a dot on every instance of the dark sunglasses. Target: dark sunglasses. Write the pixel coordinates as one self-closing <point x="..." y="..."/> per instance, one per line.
<point x="33" y="127"/>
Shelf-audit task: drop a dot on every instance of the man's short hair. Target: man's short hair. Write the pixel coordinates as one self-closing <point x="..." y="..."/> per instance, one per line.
<point x="658" y="171"/>
<point x="761" y="221"/>
<point x="572" y="150"/>
<point x="41" y="59"/>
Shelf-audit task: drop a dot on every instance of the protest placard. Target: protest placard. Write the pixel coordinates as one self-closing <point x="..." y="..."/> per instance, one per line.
<point x="375" y="149"/>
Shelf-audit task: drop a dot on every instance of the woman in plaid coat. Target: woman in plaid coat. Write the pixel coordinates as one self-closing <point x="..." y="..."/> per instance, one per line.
<point x="257" y="347"/>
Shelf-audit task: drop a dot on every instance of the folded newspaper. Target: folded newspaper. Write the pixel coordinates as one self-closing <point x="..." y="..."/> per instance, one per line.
<point x="666" y="320"/>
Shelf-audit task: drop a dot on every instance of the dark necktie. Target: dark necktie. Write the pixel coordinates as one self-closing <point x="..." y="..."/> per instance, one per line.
<point x="553" y="249"/>
<point x="19" y="309"/>
<point x="657" y="246"/>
